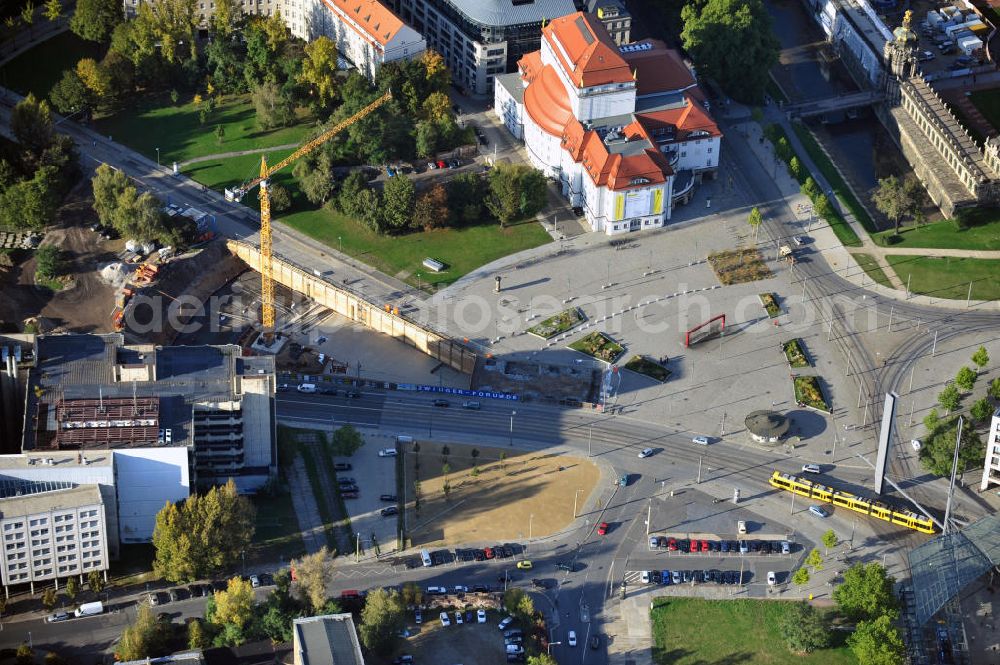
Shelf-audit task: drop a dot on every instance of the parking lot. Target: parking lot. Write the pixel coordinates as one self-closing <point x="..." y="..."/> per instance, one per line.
<point x="375" y="478"/>
<point x="430" y="643"/>
<point x="444" y="557"/>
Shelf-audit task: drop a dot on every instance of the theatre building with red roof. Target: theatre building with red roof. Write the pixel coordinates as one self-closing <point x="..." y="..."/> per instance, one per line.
<point x="624" y="129"/>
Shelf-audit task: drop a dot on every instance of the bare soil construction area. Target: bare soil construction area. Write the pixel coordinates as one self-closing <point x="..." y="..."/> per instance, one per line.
<point x="493" y="493"/>
<point x="85" y="304"/>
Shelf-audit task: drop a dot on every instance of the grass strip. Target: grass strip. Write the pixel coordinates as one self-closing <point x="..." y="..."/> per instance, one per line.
<point x="600" y="346"/>
<point x="871" y="267"/>
<point x="558" y="323"/>
<point x="647" y="367"/>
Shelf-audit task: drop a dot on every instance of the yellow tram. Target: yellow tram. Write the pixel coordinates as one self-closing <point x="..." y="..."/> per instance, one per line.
<point x="858" y="504"/>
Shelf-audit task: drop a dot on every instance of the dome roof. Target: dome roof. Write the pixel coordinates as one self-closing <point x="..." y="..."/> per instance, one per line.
<point x="767" y="424"/>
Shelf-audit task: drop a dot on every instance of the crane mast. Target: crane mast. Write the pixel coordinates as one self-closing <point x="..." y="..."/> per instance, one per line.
<point x="266" y="255"/>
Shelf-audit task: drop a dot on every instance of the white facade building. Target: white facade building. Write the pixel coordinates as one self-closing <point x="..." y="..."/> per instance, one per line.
<point x="625" y="130"/>
<point x="991" y="466"/>
<point x="51" y="531"/>
<point x="367" y="33"/>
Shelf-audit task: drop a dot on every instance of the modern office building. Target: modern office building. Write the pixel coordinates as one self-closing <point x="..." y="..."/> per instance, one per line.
<point x="615" y="17"/>
<point x="480" y="39"/>
<point x="326" y="640"/>
<point x="51" y="530"/>
<point x="625" y="130"/>
<point x="991" y="466"/>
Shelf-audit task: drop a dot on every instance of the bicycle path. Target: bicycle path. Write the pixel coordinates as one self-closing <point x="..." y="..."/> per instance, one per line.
<point x="236" y="153"/>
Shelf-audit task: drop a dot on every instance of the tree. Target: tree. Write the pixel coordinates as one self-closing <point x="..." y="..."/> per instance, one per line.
<point x="28" y="17"/>
<point x="426" y="139"/>
<point x="281" y="200"/>
<point x="898" y="199"/>
<point x="72" y="588"/>
<point x="877" y="642"/>
<point x="174" y="545"/>
<point x="94" y="20"/>
<point x="938" y="450"/>
<point x="801" y="577"/>
<point x="31" y="124"/>
<point x="436" y="72"/>
<point x="53" y="10"/>
<point x="949" y="398"/>
<point x="931" y="420"/>
<point x="466" y="193"/>
<point x="830" y="540"/>
<point x="197" y="639"/>
<point x="804" y="629"/>
<point x="273" y="107"/>
<point x="413" y="594"/>
<point x="226" y="18"/>
<point x="966" y="378"/>
<point x="69" y="94"/>
<point x="981" y="357"/>
<point x="48" y="263"/>
<point x="542" y="659"/>
<point x="381" y="620"/>
<point x="755" y="219"/>
<point x="25" y="655"/>
<point x="138" y="216"/>
<point x="30" y="204"/>
<point x="319" y="71"/>
<point x="710" y="30"/>
<point x="815" y="560"/>
<point x="795" y="167"/>
<point x="315" y="176"/>
<point x="981" y="410"/>
<point x="142" y="638"/>
<point x="94" y="78"/>
<point x="346" y="440"/>
<point x="234" y="606"/>
<point x="95" y="581"/>
<point x="220" y="133"/>
<point x="994" y="389"/>
<point x="397" y="202"/>
<point x="866" y="592"/>
<point x="49" y="598"/>
<point x="437" y="107"/>
<point x="519" y="604"/>
<point x="431" y="209"/>
<point x="516" y="191"/>
<point x="311" y="572"/>
<point x="52" y="658"/>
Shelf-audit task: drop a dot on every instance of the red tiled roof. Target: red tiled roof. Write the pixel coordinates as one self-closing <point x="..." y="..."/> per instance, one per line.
<point x="378" y="24"/>
<point x="689" y="118"/>
<point x="588" y="55"/>
<point x="547" y="102"/>
<point x="658" y="69"/>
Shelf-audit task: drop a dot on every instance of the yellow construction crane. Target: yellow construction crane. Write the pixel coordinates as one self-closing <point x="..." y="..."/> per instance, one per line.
<point x="266" y="265"/>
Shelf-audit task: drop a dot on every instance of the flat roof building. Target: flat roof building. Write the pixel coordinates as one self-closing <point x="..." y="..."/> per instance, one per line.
<point x="991" y="466"/>
<point x="326" y="640"/>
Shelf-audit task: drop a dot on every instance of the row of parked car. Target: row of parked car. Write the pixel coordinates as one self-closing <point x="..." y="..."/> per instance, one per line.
<point x="695" y="545"/>
<point x="203" y="590"/>
<point x="695" y="576"/>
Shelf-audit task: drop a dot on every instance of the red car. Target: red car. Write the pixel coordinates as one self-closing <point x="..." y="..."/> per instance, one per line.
<point x="704" y="546"/>
<point x="488" y="552"/>
<point x="602" y="529"/>
<point x="694" y="545"/>
<point x="441" y="164"/>
<point x="672" y="544"/>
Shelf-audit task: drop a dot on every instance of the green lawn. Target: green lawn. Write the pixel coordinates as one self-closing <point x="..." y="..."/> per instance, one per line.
<point x="691" y="631"/>
<point x="832" y="176"/>
<point x="988" y="103"/>
<point x="982" y="232"/>
<point x="873" y="269"/>
<point x="277" y="533"/>
<point x="949" y="277"/>
<point x="40" y="68"/>
<point x="178" y="133"/>
<point x="462" y="250"/>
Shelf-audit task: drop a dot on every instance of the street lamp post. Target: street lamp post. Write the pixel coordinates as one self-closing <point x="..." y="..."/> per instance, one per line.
<point x="512" y="414"/>
<point x="340" y="239"/>
<point x="576" y="495"/>
<point x="552" y="644"/>
<point x="157" y="158"/>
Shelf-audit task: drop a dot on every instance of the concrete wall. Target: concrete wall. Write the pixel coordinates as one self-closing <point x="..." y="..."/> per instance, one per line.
<point x="351" y="305"/>
<point x="147" y="478"/>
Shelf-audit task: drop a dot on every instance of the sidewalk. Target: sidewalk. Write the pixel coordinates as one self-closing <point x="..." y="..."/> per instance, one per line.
<point x="237" y="153"/>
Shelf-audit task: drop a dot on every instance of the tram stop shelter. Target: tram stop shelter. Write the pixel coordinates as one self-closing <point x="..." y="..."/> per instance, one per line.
<point x="941" y="568"/>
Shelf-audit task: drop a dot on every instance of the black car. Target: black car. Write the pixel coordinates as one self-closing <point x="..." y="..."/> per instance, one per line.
<point x="443" y="403"/>
<point x="328" y="391"/>
<point x="282" y="388"/>
<point x="479" y="555"/>
<point x="389" y="510"/>
<point x="683" y="546"/>
<point x="346" y="480"/>
<point x="595" y="642"/>
<point x="342" y="466"/>
<point x="754" y="546"/>
<point x="266" y="579"/>
<point x="481" y="588"/>
<point x="686" y="575"/>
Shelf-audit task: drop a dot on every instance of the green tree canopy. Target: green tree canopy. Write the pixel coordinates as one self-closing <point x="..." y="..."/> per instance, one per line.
<point x="95" y="19"/>
<point x="234" y="606"/>
<point x="397" y="202"/>
<point x="319" y="71"/>
<point x="274" y="108"/>
<point x="866" y="592"/>
<point x="143" y="638"/>
<point x="898" y="199"/>
<point x="949" y="398"/>
<point x="830" y="539"/>
<point x="981" y="357"/>
<point x="311" y="572"/>
<point x="938" y="450"/>
<point x="69" y="94"/>
<point x="519" y="604"/>
<point x="712" y="30"/>
<point x="981" y="410"/>
<point x="431" y="209"/>
<point x="966" y="378"/>
<point x="801" y="576"/>
<point x="877" y="642"/>
<point x="515" y="192"/>
<point x="31" y="124"/>
<point x="381" y="620"/>
<point x="804" y="629"/>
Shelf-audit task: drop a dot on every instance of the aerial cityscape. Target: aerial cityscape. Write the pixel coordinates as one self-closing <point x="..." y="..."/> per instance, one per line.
<point x="557" y="332"/>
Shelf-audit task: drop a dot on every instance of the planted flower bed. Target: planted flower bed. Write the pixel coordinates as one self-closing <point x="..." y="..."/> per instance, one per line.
<point x="808" y="393"/>
<point x="649" y="368"/>
<point x="794" y="354"/>
<point x="600" y="346"/>
<point x="770" y="303"/>
<point x="559" y="323"/>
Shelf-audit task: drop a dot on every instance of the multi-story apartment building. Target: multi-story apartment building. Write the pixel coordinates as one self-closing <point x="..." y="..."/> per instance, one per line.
<point x="615" y="17"/>
<point x="991" y="467"/>
<point x="51" y="530"/>
<point x="367" y="33"/>
<point x="480" y="39"/>
<point x="625" y="130"/>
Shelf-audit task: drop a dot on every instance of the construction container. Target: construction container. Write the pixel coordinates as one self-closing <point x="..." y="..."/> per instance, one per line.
<point x="970" y="45"/>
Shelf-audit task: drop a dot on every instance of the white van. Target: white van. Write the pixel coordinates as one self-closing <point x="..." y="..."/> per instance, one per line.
<point x="402" y="438"/>
<point x="425" y="556"/>
<point x="387" y="452"/>
<point x="307" y="388"/>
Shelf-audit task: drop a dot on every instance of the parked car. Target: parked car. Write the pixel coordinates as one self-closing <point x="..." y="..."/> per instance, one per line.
<point x="472" y="406"/>
<point x="925" y="56"/>
<point x="644" y="577"/>
<point x="480" y="616"/>
<point x="441" y="164"/>
<point x="387" y="497"/>
<point x="431" y="166"/>
<point x="458" y="617"/>
<point x="524" y="564"/>
<point x="342" y="466"/>
<point x="506" y="622"/>
<point x="58" y="616"/>
<point x="916" y="444"/>
<point x="700" y="440"/>
<point x="602" y="529"/>
<point x="418" y="618"/>
<point x="436" y="590"/>
<point x="654" y="542"/>
<point x="646" y="452"/>
<point x="387" y="452"/>
<point x="772" y="579"/>
<point x="819" y="511"/>
<point x="254" y="581"/>
<point x="445" y="621"/>
<point x="389" y="511"/>
<point x="786" y="547"/>
<point x="571" y="638"/>
<point x="595" y="642"/>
